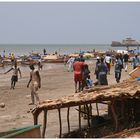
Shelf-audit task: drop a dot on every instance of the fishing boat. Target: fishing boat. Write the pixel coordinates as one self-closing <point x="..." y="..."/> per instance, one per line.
<point x="53" y="58"/>
<point x="25" y="132"/>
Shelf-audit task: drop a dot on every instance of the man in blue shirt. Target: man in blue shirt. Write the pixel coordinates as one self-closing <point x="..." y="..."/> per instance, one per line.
<point x="136" y="61"/>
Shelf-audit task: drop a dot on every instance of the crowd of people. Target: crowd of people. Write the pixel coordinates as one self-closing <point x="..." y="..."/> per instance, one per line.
<point x="102" y="69"/>
<point x="80" y="68"/>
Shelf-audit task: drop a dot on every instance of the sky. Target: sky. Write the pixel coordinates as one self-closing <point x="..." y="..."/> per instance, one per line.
<point x="68" y="22"/>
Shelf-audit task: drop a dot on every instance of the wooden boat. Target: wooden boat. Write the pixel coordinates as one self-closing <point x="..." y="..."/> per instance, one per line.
<point x="35" y="56"/>
<point x="29" y="62"/>
<point x="53" y="59"/>
<point x="25" y="132"/>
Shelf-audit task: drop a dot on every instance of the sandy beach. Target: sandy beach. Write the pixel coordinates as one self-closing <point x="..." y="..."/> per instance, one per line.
<point x="56" y="82"/>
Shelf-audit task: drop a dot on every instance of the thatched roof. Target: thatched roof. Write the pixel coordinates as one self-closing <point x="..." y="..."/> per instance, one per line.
<point x="126" y="89"/>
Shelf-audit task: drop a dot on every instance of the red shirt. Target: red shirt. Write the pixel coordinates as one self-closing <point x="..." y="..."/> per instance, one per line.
<point x="78" y="67"/>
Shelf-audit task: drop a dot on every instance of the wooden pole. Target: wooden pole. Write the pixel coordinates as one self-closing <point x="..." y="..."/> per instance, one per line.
<point x="44" y="123"/>
<point x="97" y="109"/>
<point x="114" y="115"/>
<point x="79" y="117"/>
<point x="60" y="123"/>
<point x="35" y="119"/>
<point x="35" y="116"/>
<point x="88" y="115"/>
<point x="91" y="109"/>
<point x="68" y="119"/>
<point x="122" y="109"/>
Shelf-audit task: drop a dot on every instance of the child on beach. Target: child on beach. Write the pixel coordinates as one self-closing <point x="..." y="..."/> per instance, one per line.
<point x="35" y="84"/>
<point x="89" y="82"/>
<point x="14" y="78"/>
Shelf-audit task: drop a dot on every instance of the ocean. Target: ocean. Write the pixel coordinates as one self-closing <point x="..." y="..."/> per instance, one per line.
<point x="26" y="49"/>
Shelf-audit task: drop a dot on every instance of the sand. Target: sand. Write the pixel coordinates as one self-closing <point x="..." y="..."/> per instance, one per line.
<point x="56" y="82"/>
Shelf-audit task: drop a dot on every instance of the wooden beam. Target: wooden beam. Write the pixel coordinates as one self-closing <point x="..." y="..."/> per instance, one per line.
<point x="88" y="115"/>
<point x="90" y="108"/>
<point x="79" y="112"/>
<point x="68" y="119"/>
<point x="114" y="115"/>
<point x="97" y="109"/>
<point x="44" y="123"/>
<point x="60" y="123"/>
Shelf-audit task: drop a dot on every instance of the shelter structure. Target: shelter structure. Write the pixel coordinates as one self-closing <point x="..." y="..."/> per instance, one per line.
<point x="123" y="102"/>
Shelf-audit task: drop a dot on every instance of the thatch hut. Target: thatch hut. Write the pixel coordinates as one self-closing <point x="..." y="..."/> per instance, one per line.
<point x="123" y="101"/>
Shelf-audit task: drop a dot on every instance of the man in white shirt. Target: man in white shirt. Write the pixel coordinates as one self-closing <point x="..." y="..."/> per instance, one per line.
<point x="108" y="62"/>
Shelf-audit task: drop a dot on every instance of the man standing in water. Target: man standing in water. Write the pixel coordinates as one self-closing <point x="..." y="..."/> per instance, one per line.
<point x="14" y="78"/>
<point x="35" y="84"/>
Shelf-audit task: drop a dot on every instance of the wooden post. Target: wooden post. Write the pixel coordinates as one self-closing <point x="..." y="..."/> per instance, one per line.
<point x="97" y="109"/>
<point x="79" y="117"/>
<point x="88" y="118"/>
<point x="114" y="115"/>
<point x="60" y="123"/>
<point x="68" y="119"/>
<point x="44" y="123"/>
<point x="35" y="119"/>
<point x="122" y="109"/>
<point x="91" y="109"/>
<point x="35" y="116"/>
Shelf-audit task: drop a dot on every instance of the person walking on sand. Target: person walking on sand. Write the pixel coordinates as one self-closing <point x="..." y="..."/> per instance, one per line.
<point x="96" y="67"/>
<point x="35" y="81"/>
<point x="70" y="64"/>
<point x="125" y="59"/>
<point x="14" y="78"/>
<point x="40" y="66"/>
<point x="135" y="61"/>
<point x="108" y="62"/>
<point x="118" y="69"/>
<point x="102" y="75"/>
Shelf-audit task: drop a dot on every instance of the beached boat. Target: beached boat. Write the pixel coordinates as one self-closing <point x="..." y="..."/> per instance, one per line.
<point x="53" y="59"/>
<point x="29" y="62"/>
<point x="35" y="56"/>
<point x="88" y="55"/>
<point x="74" y="55"/>
<point x="25" y="132"/>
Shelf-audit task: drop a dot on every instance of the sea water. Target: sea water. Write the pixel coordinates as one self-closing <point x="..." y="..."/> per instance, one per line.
<point x="26" y="49"/>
